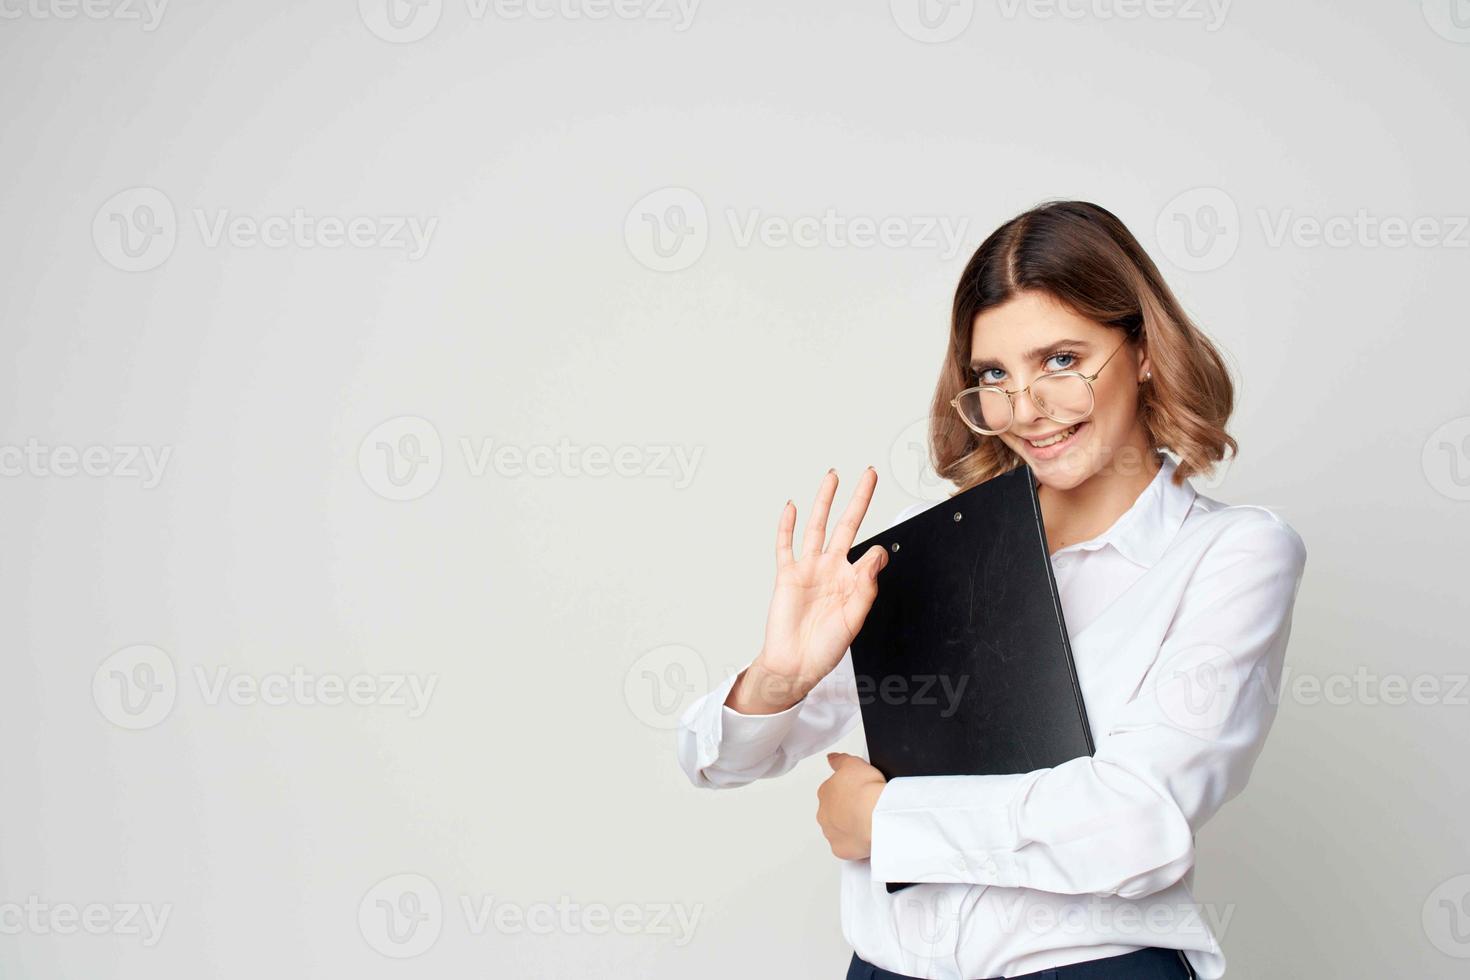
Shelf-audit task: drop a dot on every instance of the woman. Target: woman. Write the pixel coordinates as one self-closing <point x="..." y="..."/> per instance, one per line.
<point x="1068" y="354"/>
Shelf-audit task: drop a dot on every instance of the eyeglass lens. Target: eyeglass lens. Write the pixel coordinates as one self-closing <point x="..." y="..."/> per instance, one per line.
<point x="1063" y="398"/>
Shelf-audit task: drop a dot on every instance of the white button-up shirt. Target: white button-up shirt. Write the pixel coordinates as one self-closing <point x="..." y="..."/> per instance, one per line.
<point x="1179" y="615"/>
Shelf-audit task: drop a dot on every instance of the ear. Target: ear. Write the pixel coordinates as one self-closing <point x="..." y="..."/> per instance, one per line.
<point x="1145" y="368"/>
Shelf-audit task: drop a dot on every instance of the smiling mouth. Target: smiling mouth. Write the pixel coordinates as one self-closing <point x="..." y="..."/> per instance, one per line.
<point x="1055" y="438"/>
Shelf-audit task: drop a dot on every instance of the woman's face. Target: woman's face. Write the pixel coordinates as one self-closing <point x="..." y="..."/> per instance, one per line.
<point x="1013" y="344"/>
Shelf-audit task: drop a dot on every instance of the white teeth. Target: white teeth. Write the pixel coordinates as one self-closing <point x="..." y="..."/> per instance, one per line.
<point x="1054" y="439"/>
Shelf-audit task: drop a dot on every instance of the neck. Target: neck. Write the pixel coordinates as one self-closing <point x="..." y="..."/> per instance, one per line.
<point x="1094" y="505"/>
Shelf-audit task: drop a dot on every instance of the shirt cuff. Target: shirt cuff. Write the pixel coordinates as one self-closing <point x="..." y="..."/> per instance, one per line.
<point x="946" y="829"/>
<point x="739" y="741"/>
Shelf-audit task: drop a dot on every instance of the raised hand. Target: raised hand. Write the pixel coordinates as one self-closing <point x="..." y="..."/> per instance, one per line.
<point x="819" y="603"/>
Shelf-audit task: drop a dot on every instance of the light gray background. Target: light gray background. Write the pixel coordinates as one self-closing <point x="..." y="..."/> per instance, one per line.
<point x="565" y="617"/>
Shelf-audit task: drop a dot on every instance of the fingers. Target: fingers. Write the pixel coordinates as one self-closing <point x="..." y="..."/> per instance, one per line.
<point x="873" y="561"/>
<point x="783" y="535"/>
<point x="816" y="525"/>
<point x="846" y="530"/>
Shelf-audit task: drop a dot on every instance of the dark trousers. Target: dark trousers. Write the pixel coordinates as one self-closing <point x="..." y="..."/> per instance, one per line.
<point x="1154" y="963"/>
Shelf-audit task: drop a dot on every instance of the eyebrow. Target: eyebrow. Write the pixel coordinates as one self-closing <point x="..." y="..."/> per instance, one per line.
<point x="1035" y="354"/>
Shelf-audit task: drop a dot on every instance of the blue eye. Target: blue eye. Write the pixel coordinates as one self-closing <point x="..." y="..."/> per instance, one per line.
<point x="996" y="376"/>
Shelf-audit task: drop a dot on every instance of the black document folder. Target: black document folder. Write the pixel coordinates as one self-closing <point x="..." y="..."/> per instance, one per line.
<point x="963" y="665"/>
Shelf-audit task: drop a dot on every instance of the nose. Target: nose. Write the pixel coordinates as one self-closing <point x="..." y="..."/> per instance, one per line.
<point x="1025" y="410"/>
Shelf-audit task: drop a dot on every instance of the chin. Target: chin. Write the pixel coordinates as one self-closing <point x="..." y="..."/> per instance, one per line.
<point x="1057" y="477"/>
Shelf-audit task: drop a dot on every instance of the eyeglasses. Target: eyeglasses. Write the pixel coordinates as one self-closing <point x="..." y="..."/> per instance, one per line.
<point x="1062" y="396"/>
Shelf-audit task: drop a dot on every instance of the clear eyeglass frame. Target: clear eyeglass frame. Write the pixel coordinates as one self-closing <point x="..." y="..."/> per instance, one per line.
<point x="1040" y="403"/>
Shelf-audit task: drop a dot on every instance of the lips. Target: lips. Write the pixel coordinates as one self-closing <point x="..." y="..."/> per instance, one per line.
<point x="1056" y="448"/>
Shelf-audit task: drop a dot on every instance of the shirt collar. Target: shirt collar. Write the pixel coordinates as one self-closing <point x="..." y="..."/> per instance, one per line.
<point x="1144" y="531"/>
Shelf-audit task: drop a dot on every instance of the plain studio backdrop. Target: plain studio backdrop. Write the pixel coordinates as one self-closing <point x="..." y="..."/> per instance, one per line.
<point x="399" y="401"/>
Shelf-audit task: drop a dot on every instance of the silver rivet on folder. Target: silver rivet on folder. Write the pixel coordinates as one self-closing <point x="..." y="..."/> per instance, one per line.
<point x="895" y="546"/>
<point x="957" y="516"/>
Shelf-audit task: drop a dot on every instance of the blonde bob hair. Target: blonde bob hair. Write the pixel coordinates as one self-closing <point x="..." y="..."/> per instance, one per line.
<point x="1083" y="257"/>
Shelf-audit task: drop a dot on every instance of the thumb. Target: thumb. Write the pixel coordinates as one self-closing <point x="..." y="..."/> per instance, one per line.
<point x="835" y="759"/>
<point x="874" y="561"/>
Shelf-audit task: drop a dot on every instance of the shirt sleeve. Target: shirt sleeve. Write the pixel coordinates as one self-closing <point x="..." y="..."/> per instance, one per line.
<point x="1122" y="821"/>
<point x="720" y="748"/>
